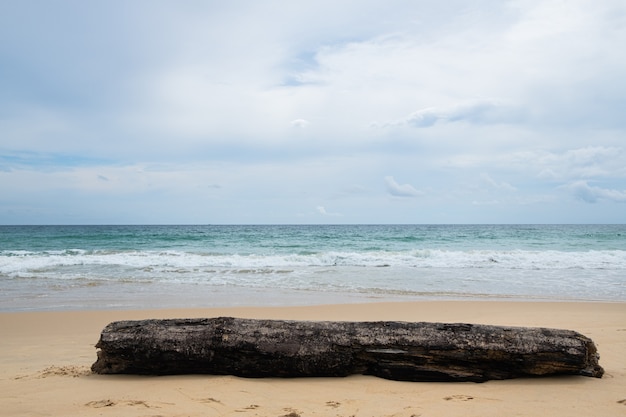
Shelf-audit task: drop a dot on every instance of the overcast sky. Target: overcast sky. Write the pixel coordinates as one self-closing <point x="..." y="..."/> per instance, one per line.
<point x="312" y="111"/>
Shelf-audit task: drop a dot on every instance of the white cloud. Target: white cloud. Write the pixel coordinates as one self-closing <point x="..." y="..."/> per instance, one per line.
<point x="404" y="190"/>
<point x="475" y="112"/>
<point x="300" y="123"/>
<point x="584" y="163"/>
<point x="591" y="194"/>
<point x="322" y="210"/>
<point x="495" y="184"/>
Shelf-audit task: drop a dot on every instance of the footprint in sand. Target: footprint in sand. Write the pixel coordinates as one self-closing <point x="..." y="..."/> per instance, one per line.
<point x="101" y="403"/>
<point x="248" y="408"/>
<point x="208" y="400"/>
<point x="459" y="398"/>
<point x="115" y="403"/>
<point x="291" y="412"/>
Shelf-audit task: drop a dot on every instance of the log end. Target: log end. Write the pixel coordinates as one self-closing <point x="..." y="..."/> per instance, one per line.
<point x="593" y="368"/>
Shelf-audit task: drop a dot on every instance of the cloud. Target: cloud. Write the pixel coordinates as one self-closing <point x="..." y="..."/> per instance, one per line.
<point x="404" y="190"/>
<point x="495" y="184"/>
<point x="474" y="112"/>
<point x="322" y="210"/>
<point x="591" y="194"/>
<point x="300" y="123"/>
<point x="587" y="162"/>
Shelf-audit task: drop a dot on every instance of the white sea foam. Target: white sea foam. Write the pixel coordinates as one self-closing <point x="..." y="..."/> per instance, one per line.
<point x="16" y="262"/>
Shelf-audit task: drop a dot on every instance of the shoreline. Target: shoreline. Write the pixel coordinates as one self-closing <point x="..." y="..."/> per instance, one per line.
<point x="171" y="296"/>
<point x="45" y="358"/>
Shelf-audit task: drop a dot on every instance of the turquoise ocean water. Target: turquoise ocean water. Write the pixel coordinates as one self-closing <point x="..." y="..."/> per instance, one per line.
<point x="101" y="267"/>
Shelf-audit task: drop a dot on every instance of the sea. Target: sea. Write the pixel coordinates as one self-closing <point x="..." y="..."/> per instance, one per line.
<point x="45" y="268"/>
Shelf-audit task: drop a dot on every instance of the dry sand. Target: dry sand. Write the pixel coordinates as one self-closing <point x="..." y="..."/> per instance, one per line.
<point x="45" y="360"/>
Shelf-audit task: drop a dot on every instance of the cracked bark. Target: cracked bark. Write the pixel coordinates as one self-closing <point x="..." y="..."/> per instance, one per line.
<point x="393" y="350"/>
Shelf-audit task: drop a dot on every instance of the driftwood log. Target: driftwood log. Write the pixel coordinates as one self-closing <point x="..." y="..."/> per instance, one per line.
<point x="392" y="350"/>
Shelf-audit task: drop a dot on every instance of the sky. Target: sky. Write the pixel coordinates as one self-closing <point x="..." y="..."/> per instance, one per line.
<point x="312" y="112"/>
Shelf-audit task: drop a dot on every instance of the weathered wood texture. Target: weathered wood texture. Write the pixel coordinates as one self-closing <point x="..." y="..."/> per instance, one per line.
<point x="392" y="350"/>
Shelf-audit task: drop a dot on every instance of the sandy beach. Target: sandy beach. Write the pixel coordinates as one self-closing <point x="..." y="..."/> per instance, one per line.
<point x="45" y="360"/>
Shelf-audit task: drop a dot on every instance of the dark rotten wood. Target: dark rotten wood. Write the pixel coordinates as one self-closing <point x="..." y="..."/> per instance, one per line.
<point x="392" y="350"/>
